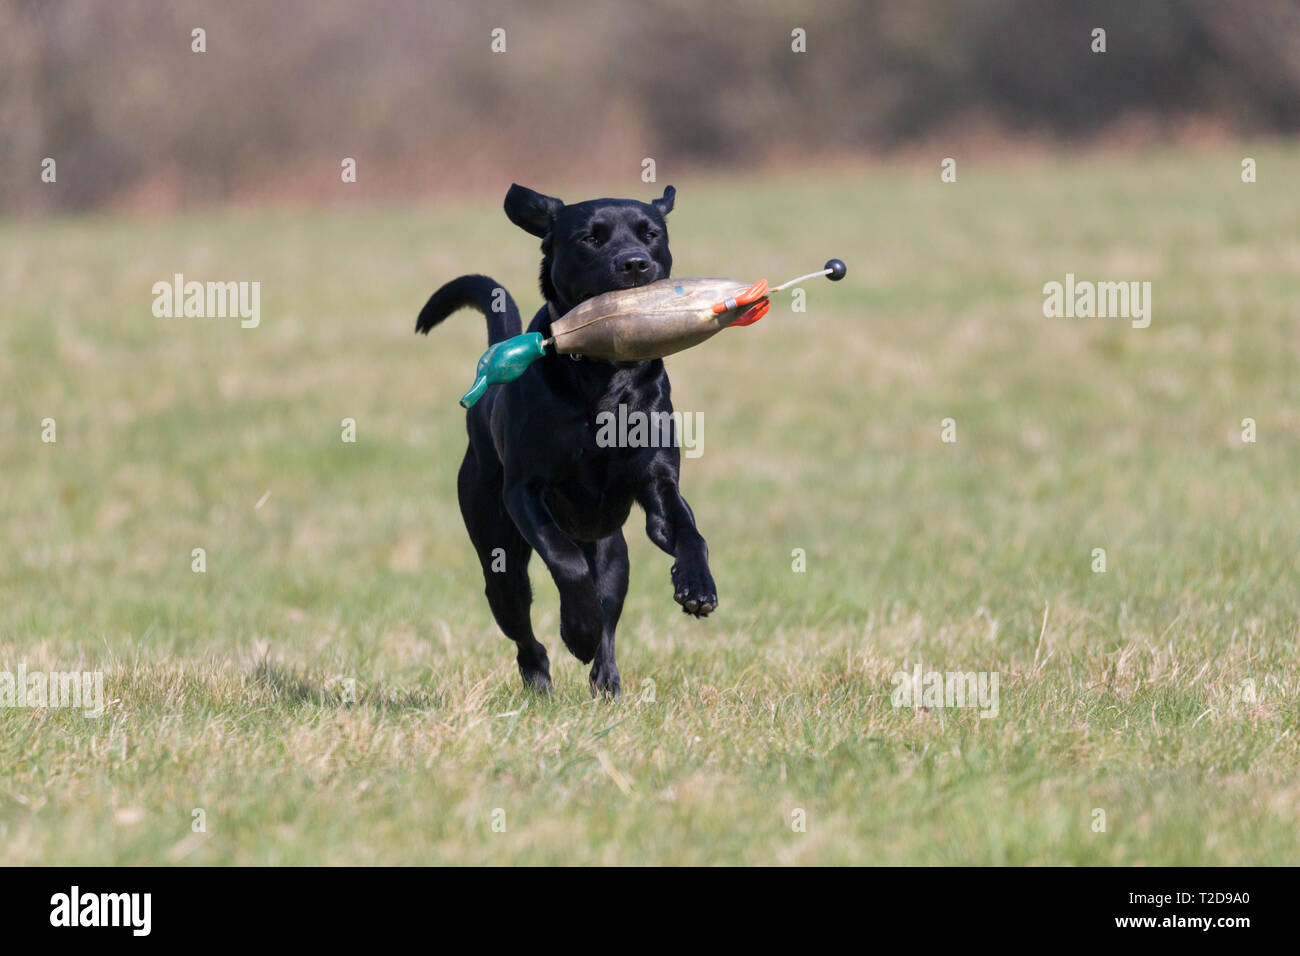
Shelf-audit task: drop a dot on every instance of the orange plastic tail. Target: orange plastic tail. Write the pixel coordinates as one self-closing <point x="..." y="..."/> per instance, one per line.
<point x="754" y="314"/>
<point x="748" y="297"/>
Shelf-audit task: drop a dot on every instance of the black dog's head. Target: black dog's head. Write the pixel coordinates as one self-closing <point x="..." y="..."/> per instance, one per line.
<point x="596" y="246"/>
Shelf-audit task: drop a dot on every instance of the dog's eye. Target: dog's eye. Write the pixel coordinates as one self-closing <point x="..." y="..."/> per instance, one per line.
<point x="591" y="240"/>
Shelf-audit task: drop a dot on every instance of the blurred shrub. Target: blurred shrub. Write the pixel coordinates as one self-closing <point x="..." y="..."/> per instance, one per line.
<point x="286" y="89"/>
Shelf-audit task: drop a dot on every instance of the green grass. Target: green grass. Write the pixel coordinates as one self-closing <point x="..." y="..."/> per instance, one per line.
<point x="822" y="433"/>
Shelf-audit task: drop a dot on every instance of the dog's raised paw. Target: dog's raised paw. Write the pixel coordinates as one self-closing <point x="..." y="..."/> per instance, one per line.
<point x="694" y="590"/>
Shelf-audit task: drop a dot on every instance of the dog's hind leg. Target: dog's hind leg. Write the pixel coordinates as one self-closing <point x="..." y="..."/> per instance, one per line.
<point x="581" y="619"/>
<point x="504" y="554"/>
<point x="608" y="562"/>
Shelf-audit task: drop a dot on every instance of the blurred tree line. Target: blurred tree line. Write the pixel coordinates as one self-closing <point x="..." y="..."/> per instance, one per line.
<point x="411" y="88"/>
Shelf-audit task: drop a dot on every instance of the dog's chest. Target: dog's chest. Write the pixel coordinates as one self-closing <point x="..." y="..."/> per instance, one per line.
<point x="594" y="496"/>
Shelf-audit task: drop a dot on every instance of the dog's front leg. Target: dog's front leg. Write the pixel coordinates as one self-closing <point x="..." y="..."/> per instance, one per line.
<point x="670" y="523"/>
<point x="581" y="620"/>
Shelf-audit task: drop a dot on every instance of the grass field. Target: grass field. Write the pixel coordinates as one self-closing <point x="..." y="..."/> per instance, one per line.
<point x="1122" y="691"/>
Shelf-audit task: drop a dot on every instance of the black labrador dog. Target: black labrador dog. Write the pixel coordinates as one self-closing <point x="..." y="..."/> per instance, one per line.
<point x="534" y="477"/>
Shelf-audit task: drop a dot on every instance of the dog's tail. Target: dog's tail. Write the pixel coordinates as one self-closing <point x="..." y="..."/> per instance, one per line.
<point x="477" y="292"/>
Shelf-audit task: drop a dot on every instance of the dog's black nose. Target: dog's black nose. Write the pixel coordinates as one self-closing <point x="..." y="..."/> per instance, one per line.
<point x="634" y="265"/>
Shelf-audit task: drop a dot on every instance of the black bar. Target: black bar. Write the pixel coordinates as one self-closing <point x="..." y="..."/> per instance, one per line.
<point x="334" y="906"/>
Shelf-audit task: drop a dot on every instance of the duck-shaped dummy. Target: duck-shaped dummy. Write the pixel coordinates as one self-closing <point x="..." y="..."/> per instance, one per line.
<point x="632" y="325"/>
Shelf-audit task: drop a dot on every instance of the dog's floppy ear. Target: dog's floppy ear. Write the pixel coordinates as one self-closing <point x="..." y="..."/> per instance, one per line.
<point x="665" y="205"/>
<point x="531" y="211"/>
